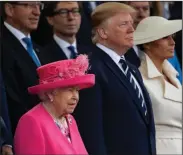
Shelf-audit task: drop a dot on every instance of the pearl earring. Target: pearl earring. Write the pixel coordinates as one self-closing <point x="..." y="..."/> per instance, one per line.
<point x="51" y="99"/>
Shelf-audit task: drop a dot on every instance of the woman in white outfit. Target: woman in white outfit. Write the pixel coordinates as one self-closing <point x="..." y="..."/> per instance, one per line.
<point x="155" y="35"/>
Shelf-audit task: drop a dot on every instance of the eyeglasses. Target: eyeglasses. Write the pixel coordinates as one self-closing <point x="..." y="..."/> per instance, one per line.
<point x="65" y="12"/>
<point x="31" y="5"/>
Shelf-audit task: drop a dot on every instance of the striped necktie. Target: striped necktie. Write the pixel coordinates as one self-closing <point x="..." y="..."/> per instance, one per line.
<point x="129" y="75"/>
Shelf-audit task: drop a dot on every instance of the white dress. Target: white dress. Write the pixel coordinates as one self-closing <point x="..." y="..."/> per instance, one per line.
<point x="167" y="105"/>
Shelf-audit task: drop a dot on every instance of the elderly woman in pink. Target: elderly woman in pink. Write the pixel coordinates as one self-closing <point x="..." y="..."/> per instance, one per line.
<point x="49" y="128"/>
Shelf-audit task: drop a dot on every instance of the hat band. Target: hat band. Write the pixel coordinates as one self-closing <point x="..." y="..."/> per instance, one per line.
<point x="60" y="76"/>
<point x="50" y="79"/>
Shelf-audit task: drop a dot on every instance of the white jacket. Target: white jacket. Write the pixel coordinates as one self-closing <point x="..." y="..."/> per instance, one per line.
<point x="167" y="105"/>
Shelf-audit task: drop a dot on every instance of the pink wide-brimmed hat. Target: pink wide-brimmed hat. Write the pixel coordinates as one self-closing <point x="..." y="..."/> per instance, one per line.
<point x="64" y="73"/>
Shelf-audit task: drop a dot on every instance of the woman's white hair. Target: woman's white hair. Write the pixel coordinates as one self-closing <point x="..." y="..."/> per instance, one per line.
<point x="44" y="95"/>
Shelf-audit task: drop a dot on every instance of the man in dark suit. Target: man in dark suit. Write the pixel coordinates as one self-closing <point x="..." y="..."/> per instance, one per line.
<point x="115" y="116"/>
<point x="65" y="19"/>
<point x="142" y="11"/>
<point x="20" y="58"/>
<point x="6" y="135"/>
<point x="5" y="139"/>
<point x="85" y="32"/>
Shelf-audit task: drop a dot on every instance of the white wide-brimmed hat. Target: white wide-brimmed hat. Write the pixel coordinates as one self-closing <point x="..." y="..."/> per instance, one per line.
<point x="155" y="27"/>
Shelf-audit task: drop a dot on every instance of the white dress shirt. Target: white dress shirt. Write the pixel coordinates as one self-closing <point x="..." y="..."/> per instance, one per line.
<point x="64" y="46"/>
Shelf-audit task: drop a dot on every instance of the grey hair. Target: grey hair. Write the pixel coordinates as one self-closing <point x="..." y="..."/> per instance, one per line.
<point x="95" y="36"/>
<point x="44" y="95"/>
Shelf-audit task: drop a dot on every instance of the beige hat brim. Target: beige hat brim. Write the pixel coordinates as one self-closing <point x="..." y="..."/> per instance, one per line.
<point x="166" y="30"/>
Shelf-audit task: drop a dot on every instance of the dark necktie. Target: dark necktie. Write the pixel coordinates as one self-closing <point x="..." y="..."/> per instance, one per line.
<point x="73" y="53"/>
<point x="128" y="75"/>
<point x="30" y="51"/>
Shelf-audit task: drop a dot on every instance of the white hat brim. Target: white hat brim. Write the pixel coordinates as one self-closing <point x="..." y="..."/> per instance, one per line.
<point x="167" y="29"/>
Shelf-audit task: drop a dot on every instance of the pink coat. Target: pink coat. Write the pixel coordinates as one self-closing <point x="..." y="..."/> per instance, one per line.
<point x="37" y="133"/>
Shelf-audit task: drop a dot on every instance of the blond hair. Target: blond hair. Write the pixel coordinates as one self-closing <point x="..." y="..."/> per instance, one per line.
<point x="104" y="12"/>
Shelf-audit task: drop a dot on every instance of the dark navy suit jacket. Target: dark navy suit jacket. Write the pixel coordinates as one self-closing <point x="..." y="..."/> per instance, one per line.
<point x="109" y="115"/>
<point x="19" y="73"/>
<point x="132" y="57"/>
<point x="6" y="135"/>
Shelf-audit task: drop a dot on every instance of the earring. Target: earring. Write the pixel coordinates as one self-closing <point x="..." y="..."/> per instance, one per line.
<point x="50" y="98"/>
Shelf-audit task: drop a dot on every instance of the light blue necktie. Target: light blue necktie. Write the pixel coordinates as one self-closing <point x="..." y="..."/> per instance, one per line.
<point x="73" y="53"/>
<point x="30" y="51"/>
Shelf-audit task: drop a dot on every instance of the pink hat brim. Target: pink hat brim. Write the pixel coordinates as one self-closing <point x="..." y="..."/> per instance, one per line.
<point x="82" y="82"/>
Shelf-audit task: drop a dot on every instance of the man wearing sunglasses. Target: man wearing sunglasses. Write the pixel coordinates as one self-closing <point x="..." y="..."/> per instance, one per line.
<point x="65" y="19"/>
<point x="20" y="57"/>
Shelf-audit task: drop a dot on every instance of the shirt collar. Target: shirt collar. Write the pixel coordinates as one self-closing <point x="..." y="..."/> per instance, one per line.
<point x="17" y="33"/>
<point x="62" y="43"/>
<point x="115" y="57"/>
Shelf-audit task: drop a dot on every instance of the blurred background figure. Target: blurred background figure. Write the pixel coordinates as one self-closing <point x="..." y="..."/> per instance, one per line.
<point x="20" y="60"/>
<point x="65" y="20"/>
<point x="6" y="145"/>
<point x="144" y="10"/>
<point x="5" y="140"/>
<point x="85" y="32"/>
<point x="176" y="13"/>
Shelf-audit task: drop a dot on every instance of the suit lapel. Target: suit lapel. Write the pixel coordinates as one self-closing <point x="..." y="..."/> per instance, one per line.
<point x="173" y="90"/>
<point x="37" y="51"/>
<point x="83" y="49"/>
<point x="172" y="93"/>
<point x="118" y="73"/>
<point x="80" y="49"/>
<point x="58" y="52"/>
<point x="18" y="50"/>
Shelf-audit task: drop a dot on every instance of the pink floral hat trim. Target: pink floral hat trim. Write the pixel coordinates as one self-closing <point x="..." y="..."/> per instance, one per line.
<point x="64" y="73"/>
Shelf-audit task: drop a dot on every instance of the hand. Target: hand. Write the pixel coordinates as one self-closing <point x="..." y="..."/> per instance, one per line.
<point x="7" y="150"/>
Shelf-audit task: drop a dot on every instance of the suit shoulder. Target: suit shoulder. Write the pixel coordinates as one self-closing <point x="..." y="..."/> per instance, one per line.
<point x="85" y="49"/>
<point x="47" y="46"/>
<point x="37" y="46"/>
